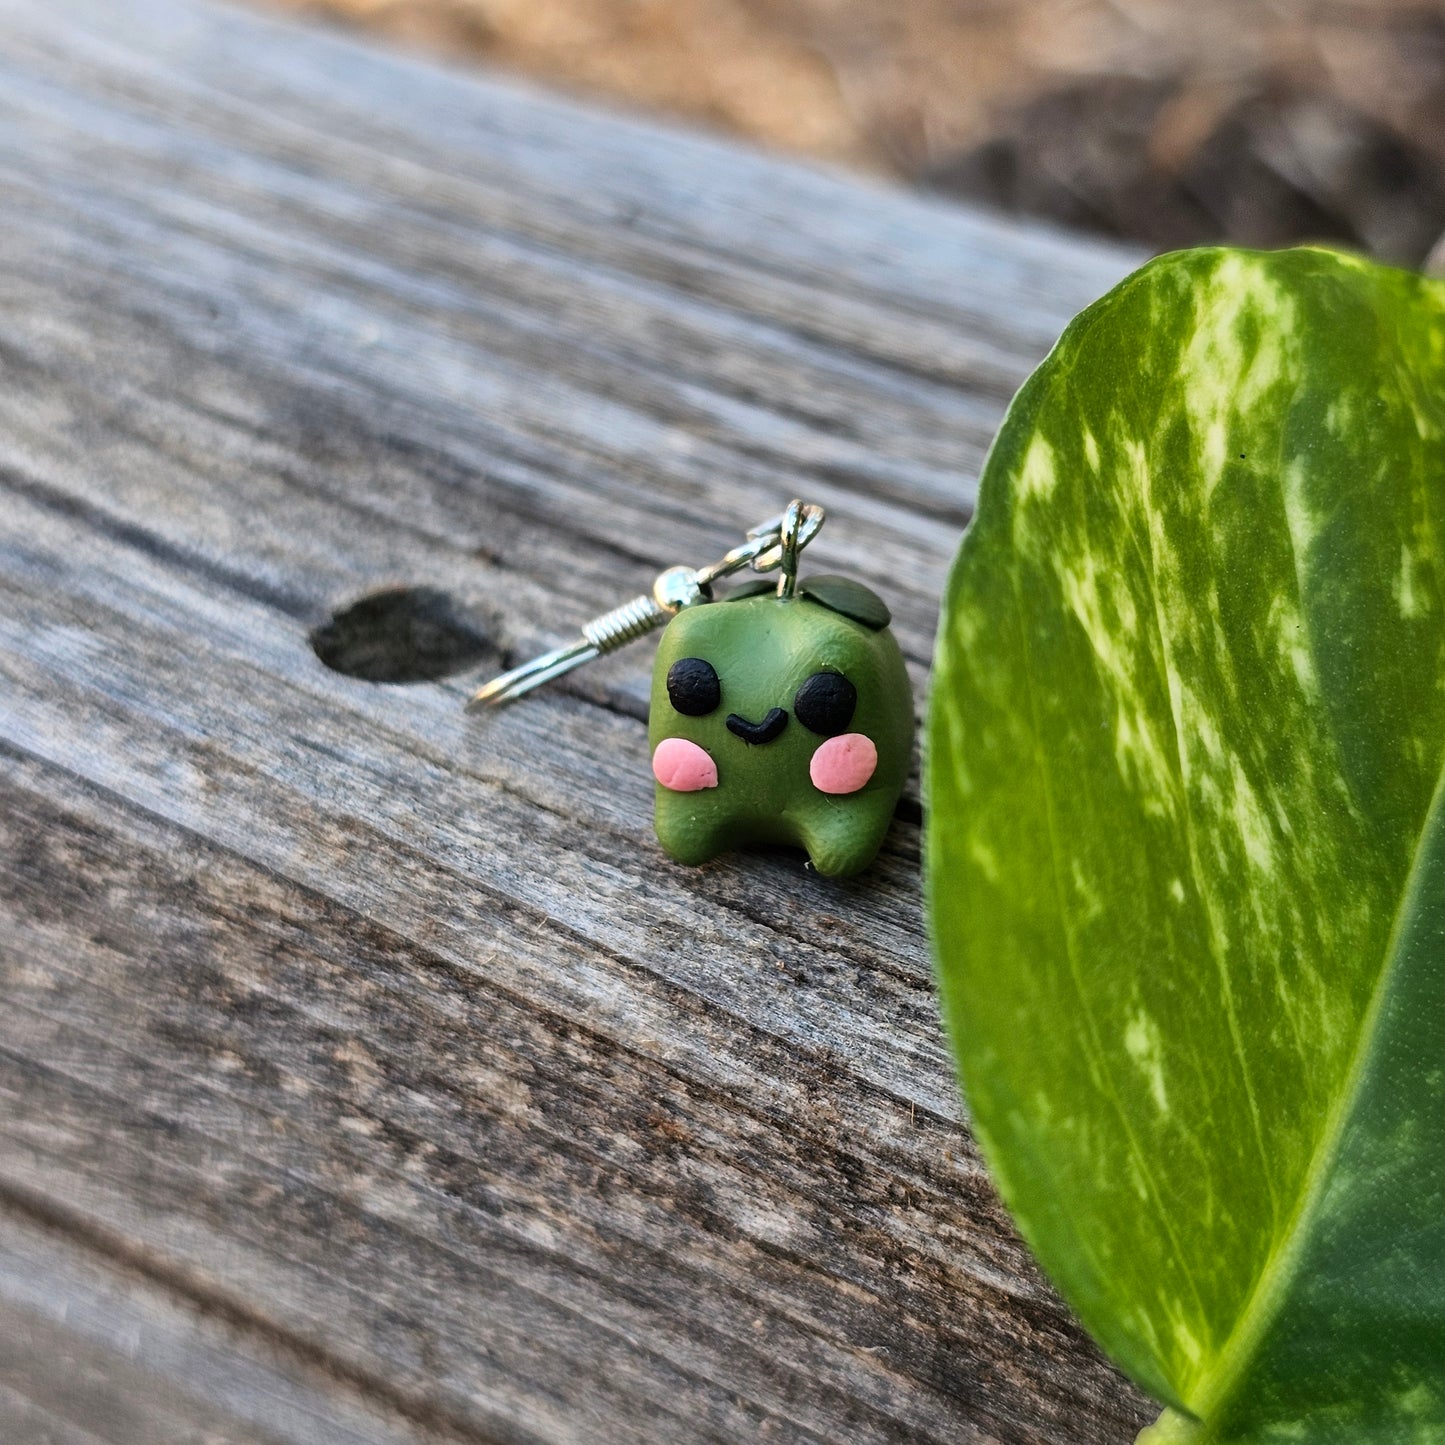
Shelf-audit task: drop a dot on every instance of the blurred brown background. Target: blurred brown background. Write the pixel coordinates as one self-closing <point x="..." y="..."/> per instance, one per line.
<point x="1167" y="122"/>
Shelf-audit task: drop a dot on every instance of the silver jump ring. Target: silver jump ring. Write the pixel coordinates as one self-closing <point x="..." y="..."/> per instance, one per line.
<point x="789" y="545"/>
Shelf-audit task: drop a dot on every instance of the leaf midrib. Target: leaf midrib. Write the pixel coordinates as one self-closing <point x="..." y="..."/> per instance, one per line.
<point x="1270" y="1289"/>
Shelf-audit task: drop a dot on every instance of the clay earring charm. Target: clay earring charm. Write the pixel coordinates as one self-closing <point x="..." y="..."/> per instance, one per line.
<point x="781" y="712"/>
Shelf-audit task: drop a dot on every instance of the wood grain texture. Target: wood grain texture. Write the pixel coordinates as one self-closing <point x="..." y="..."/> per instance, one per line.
<point x="366" y="1058"/>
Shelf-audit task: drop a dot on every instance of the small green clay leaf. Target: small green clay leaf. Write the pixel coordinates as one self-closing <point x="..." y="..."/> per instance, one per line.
<point x="1186" y="850"/>
<point x="752" y="588"/>
<point x="852" y="599"/>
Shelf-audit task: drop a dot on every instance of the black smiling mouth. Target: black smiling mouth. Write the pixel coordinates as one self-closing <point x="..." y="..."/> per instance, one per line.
<point x="758" y="732"/>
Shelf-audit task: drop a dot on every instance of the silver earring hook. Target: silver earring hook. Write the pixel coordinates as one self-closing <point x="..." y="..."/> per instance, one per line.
<point x="773" y="545"/>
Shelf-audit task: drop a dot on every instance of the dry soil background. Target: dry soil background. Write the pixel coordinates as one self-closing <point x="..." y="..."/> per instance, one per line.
<point x="1259" y="121"/>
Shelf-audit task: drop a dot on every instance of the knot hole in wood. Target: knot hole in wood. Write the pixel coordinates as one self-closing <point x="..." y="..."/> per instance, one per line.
<point x="403" y="634"/>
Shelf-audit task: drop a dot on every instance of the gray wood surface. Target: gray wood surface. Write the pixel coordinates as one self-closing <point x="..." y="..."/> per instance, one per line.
<point x="365" y="1074"/>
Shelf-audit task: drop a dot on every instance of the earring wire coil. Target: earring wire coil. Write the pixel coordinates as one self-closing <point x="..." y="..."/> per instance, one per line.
<point x="773" y="545"/>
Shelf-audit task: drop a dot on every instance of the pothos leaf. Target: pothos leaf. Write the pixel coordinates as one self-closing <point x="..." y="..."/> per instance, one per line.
<point x="1186" y="849"/>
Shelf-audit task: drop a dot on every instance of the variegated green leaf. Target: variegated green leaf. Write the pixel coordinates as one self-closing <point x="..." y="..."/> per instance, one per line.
<point x="1186" y="857"/>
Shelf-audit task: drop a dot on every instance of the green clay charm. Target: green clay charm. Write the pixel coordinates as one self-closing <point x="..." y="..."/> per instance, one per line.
<point x="781" y="713"/>
<point x="781" y="720"/>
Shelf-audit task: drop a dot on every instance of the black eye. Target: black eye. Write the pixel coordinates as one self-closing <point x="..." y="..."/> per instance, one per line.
<point x="693" y="686"/>
<point x="824" y="704"/>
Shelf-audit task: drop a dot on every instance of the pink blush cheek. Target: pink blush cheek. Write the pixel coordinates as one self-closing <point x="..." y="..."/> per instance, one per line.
<point x="683" y="767"/>
<point x="843" y="764"/>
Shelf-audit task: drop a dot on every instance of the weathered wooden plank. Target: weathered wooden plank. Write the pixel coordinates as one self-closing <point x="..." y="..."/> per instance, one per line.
<point x="93" y="1352"/>
<point x="379" y="1036"/>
